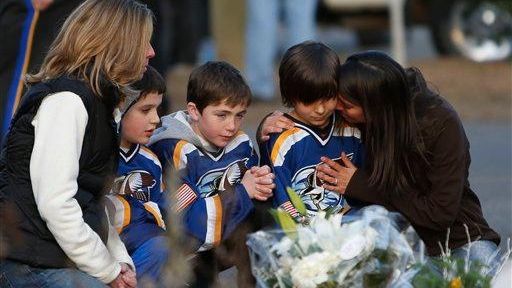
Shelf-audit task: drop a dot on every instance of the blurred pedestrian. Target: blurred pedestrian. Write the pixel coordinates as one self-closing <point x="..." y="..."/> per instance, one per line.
<point x="28" y="28"/>
<point x="262" y="38"/>
<point x="190" y="27"/>
<point x="227" y="20"/>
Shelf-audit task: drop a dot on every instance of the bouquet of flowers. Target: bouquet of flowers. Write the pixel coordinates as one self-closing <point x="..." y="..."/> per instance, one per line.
<point x="372" y="249"/>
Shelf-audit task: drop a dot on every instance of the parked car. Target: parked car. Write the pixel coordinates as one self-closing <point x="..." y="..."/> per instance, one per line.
<point x="480" y="30"/>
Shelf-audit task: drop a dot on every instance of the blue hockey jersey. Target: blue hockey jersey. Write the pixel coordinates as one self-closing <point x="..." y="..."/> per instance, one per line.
<point x="213" y="201"/>
<point x="136" y="204"/>
<point x="294" y="155"/>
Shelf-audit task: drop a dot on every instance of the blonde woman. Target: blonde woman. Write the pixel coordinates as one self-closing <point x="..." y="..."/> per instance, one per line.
<point x="61" y="148"/>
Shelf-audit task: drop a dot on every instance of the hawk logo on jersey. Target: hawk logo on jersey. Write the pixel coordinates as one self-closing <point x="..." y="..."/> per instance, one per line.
<point x="309" y="187"/>
<point x="219" y="179"/>
<point x="137" y="183"/>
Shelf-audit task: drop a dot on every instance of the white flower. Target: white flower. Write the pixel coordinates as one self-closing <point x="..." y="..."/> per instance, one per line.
<point x="306" y="238"/>
<point x="352" y="247"/>
<point x="286" y="263"/>
<point x="313" y="269"/>
<point x="283" y="246"/>
<point x="328" y="232"/>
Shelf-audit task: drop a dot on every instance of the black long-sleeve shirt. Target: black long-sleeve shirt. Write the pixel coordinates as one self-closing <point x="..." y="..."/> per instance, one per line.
<point x="441" y="197"/>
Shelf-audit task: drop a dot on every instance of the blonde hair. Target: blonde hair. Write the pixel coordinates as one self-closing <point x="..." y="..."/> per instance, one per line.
<point x="102" y="40"/>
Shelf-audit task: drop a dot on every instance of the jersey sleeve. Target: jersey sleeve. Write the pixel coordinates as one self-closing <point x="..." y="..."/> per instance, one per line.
<point x="254" y="160"/>
<point x="278" y="151"/>
<point x="212" y="219"/>
<point x="157" y="204"/>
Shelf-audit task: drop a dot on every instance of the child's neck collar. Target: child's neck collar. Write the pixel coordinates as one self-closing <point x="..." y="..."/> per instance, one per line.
<point x="126" y="146"/>
<point x="206" y="145"/>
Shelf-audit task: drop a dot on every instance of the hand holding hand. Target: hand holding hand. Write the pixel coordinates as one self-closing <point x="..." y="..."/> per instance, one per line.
<point x="118" y="282"/>
<point x="335" y="176"/>
<point x="259" y="182"/>
<point x="128" y="276"/>
<point x="125" y="279"/>
<point x="274" y="123"/>
<point x="264" y="180"/>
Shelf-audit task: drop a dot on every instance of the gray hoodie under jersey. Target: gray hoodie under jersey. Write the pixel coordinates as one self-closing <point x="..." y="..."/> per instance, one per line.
<point x="177" y="126"/>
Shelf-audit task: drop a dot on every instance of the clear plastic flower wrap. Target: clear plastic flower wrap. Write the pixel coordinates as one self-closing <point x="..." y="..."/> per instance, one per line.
<point x="372" y="248"/>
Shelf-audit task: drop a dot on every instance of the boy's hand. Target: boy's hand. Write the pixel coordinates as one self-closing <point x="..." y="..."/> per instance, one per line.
<point x="264" y="180"/>
<point x="274" y="123"/>
<point x="259" y="182"/>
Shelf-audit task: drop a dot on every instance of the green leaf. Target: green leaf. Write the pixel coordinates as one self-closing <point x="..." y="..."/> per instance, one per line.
<point x="296" y="201"/>
<point x="285" y="221"/>
<point x="329" y="212"/>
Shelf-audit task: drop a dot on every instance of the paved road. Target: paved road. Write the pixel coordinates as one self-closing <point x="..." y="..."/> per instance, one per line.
<point x="491" y="172"/>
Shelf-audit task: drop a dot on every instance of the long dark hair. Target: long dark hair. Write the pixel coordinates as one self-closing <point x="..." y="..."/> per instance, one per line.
<point x="392" y="139"/>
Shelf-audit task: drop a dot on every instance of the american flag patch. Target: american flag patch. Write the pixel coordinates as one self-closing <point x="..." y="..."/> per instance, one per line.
<point x="288" y="207"/>
<point x="185" y="197"/>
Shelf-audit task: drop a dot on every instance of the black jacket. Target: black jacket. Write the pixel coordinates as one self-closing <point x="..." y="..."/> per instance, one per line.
<point x="30" y="240"/>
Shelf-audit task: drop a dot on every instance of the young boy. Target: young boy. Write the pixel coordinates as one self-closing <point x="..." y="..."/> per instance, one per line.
<point x="205" y="145"/>
<point x="308" y="83"/>
<point x="136" y="204"/>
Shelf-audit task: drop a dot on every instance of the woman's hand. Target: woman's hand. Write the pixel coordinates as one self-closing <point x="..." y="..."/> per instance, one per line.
<point x="118" y="282"/>
<point x="335" y="176"/>
<point x="125" y="279"/>
<point x="128" y="276"/>
<point x="275" y="123"/>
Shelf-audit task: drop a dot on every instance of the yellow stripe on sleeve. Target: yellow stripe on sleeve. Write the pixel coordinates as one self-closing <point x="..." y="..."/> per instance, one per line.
<point x="279" y="142"/>
<point x="218" y="223"/>
<point x="156" y="214"/>
<point x="177" y="153"/>
<point x="127" y="213"/>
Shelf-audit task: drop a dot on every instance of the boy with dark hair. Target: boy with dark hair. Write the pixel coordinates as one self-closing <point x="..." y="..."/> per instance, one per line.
<point x="136" y="205"/>
<point x="308" y="76"/>
<point x="205" y="145"/>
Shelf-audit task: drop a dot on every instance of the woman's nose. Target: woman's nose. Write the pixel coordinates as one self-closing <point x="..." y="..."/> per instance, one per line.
<point x="339" y="106"/>
<point x="150" y="53"/>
